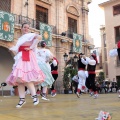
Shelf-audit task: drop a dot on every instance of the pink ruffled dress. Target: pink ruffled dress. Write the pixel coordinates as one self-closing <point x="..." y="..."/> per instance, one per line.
<point x="25" y="71"/>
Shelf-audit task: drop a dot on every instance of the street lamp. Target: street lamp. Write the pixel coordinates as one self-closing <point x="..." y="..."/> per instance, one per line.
<point x="75" y="58"/>
<point x="71" y="54"/>
<point x="65" y="57"/>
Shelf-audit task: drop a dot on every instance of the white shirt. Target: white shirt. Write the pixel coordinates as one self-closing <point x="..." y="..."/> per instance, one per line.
<point x="44" y="55"/>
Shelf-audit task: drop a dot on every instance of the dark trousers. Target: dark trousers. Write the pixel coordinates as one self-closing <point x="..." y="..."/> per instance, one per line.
<point x="114" y="87"/>
<point x="75" y="85"/>
<point x="55" y="76"/>
<point x="90" y="82"/>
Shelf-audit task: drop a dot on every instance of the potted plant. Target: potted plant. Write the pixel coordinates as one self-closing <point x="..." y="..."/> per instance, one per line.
<point x="69" y="72"/>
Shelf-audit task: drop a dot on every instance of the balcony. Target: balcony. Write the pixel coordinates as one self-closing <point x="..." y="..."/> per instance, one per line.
<point x="33" y="23"/>
<point x="69" y="34"/>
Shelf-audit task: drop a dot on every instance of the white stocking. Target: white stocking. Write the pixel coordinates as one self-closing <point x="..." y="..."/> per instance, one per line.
<point x="31" y="88"/>
<point x="44" y="89"/>
<point x="21" y="90"/>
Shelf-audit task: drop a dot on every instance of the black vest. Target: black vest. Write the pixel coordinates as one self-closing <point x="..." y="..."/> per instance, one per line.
<point x="54" y="67"/>
<point x="80" y="64"/>
<point x="91" y="67"/>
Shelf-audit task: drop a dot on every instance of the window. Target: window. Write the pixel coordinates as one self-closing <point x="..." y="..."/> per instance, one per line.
<point x="41" y="15"/>
<point x="117" y="34"/>
<point x="106" y="68"/>
<point x="105" y="54"/>
<point x="104" y="39"/>
<point x="116" y="10"/>
<point x="5" y="5"/>
<point x="72" y="27"/>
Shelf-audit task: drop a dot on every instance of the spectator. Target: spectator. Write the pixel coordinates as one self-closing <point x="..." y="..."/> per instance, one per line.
<point x="12" y="91"/>
<point x="114" y="85"/>
<point x="98" y="86"/>
<point x="105" y="86"/>
<point x="75" y="83"/>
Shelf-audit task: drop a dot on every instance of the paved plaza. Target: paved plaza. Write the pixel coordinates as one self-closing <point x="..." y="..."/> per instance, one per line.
<point x="62" y="107"/>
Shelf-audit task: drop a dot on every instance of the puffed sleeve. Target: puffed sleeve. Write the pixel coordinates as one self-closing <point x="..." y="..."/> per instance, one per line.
<point x="49" y="55"/>
<point x="92" y="62"/>
<point x="36" y="40"/>
<point x="113" y="53"/>
<point x="54" y="63"/>
<point x="84" y="61"/>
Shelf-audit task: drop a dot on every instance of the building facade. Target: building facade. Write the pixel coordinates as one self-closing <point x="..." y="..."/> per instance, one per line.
<point x="64" y="16"/>
<point x="110" y="34"/>
<point x="104" y="51"/>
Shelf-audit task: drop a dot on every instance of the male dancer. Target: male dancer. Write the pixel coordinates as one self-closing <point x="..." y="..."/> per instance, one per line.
<point x="81" y="73"/>
<point x="113" y="53"/>
<point x="90" y="81"/>
<point x="54" y="71"/>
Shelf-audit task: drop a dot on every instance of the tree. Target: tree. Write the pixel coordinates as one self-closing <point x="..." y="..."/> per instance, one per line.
<point x="69" y="72"/>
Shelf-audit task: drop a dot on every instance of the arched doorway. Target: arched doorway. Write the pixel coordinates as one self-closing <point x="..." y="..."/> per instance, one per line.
<point x="6" y="62"/>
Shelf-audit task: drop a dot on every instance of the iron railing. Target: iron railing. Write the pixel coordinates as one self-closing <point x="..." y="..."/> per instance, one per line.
<point x="69" y="34"/>
<point x="19" y="19"/>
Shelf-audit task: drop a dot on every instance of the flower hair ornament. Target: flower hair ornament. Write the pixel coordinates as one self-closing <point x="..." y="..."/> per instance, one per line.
<point x="104" y="116"/>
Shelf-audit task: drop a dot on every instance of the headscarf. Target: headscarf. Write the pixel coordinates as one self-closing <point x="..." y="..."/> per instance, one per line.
<point x="95" y="58"/>
<point x="56" y="60"/>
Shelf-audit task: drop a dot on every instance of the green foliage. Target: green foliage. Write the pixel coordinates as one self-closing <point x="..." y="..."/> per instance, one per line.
<point x="101" y="76"/>
<point x="69" y="72"/>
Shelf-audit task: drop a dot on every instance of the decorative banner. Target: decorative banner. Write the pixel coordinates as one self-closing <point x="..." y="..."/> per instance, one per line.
<point x="6" y="26"/>
<point x="46" y="32"/>
<point x="77" y="42"/>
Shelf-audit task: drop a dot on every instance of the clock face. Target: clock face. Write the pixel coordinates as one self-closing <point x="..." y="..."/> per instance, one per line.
<point x="6" y="26"/>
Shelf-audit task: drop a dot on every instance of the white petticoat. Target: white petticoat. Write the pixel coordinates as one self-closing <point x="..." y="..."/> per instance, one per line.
<point x="113" y="53"/>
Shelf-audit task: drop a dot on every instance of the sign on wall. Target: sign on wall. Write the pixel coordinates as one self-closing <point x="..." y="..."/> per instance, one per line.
<point x="46" y="32"/>
<point x="77" y="42"/>
<point x="6" y="26"/>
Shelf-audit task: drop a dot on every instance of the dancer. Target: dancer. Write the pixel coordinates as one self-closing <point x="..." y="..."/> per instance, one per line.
<point x="116" y="52"/>
<point x="26" y="71"/>
<point x="81" y="73"/>
<point x="43" y="57"/>
<point x="90" y="81"/>
<point x="54" y="68"/>
<point x="75" y="83"/>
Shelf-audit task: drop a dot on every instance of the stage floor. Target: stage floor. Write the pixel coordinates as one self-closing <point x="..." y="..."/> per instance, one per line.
<point x="62" y="107"/>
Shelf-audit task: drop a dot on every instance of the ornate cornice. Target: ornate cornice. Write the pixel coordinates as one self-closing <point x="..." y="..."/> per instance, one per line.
<point x="46" y="1"/>
<point x="73" y="10"/>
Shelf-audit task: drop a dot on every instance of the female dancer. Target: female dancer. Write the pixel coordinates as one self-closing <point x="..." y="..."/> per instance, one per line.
<point x="26" y="71"/>
<point x="43" y="57"/>
<point x="54" y="68"/>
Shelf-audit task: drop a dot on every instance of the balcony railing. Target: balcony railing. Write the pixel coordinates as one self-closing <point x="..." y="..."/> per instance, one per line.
<point x="69" y="34"/>
<point x="19" y="19"/>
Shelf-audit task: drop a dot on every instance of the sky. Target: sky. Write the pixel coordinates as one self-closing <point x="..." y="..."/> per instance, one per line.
<point x="95" y="19"/>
